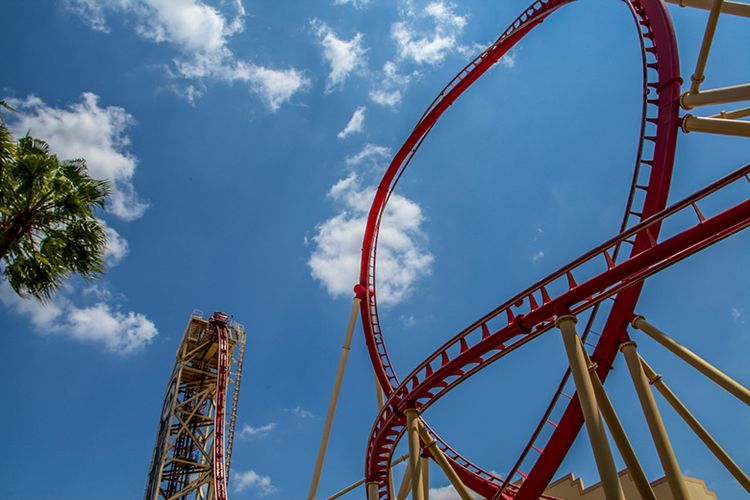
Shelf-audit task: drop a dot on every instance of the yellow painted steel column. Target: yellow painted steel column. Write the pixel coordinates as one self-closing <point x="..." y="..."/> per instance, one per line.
<point x="425" y="470"/>
<point x="586" y="397"/>
<point x="403" y="490"/>
<point x="735" y="93"/>
<point x="700" y="364"/>
<point x="719" y="126"/>
<point x="727" y="7"/>
<point x="412" y="429"/>
<point x="655" y="423"/>
<point x="381" y="402"/>
<point x="619" y="436"/>
<point x="708" y="36"/>
<point x="334" y="400"/>
<point x="372" y="491"/>
<point x="696" y="426"/>
<point x="431" y="445"/>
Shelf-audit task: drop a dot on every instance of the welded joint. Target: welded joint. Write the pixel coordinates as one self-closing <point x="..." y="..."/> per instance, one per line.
<point x="624" y="345"/>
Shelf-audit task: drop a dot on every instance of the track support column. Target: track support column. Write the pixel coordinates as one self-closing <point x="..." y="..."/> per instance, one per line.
<point x="424" y="464"/>
<point x="430" y="445"/>
<point x="372" y="491"/>
<point x="656" y="380"/>
<point x="729" y="384"/>
<point x="655" y="423"/>
<point x="403" y="490"/>
<point x="334" y="399"/>
<point x="619" y="436"/>
<point x="587" y="399"/>
<point x="412" y="428"/>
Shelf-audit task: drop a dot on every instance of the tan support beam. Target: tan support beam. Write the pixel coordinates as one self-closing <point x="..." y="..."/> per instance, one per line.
<point x="412" y="429"/>
<point x="700" y="364"/>
<point x="655" y="423"/>
<point x="696" y="426"/>
<point x="737" y="113"/>
<point x="372" y="491"/>
<point x="362" y="481"/>
<point x="619" y="436"/>
<point x="733" y="8"/>
<point x="403" y="490"/>
<point x="720" y="126"/>
<point x="334" y="400"/>
<point x="431" y="445"/>
<point x="708" y="37"/>
<point x="723" y="95"/>
<point x="586" y="397"/>
<point x="425" y="469"/>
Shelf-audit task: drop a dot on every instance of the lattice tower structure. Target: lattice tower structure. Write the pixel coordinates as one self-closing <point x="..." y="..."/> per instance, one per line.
<point x="193" y="446"/>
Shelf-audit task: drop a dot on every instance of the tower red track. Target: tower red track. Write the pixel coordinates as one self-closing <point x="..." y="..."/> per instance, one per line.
<point x="531" y="313"/>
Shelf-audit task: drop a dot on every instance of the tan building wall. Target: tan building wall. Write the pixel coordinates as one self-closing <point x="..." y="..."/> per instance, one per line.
<point x="572" y="488"/>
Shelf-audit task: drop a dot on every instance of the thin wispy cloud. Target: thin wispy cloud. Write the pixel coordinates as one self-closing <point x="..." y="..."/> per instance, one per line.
<point x="355" y="125"/>
<point x="248" y="431"/>
<point x="300" y="412"/>
<point x="343" y="56"/>
<point x="370" y="154"/>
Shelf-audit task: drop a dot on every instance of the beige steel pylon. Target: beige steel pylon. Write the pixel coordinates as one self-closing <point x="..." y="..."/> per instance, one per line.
<point x="587" y="399"/>
<point x="182" y="465"/>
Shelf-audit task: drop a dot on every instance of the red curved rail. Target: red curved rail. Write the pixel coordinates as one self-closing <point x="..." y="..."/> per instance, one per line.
<point x="660" y="57"/>
<point x="222" y="377"/>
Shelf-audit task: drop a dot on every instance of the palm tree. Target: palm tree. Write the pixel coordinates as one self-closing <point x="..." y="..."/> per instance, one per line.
<point x="48" y="226"/>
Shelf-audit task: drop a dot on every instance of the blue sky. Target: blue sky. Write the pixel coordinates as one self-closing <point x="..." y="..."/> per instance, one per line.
<point x="243" y="139"/>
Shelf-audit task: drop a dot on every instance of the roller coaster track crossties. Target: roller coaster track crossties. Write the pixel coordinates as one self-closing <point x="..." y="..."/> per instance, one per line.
<point x="192" y="452"/>
<point x="623" y="262"/>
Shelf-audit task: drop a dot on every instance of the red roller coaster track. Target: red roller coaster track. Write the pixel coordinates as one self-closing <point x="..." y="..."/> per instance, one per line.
<point x="532" y="312"/>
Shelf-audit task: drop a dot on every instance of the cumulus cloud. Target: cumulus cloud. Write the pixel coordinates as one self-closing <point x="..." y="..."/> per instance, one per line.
<point x="371" y="154"/>
<point x="355" y="125"/>
<point x="428" y="44"/>
<point x="201" y="34"/>
<point x="344" y="56"/>
<point x="537" y="256"/>
<point x="402" y="256"/>
<point x="738" y="315"/>
<point x="117" y="246"/>
<point x="100" y="323"/>
<point x="390" y="85"/>
<point x="248" y="431"/>
<point x="252" y="480"/>
<point x="87" y="130"/>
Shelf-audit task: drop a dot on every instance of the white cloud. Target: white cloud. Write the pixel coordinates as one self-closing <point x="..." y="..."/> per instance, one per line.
<point x="300" y="412"/>
<point x="344" y="56"/>
<point x="402" y="256"/>
<point x="371" y="154"/>
<point x="356" y="123"/>
<point x="86" y="130"/>
<point x="252" y="480"/>
<point x="117" y="332"/>
<point x="201" y="33"/>
<point x="738" y="315"/>
<point x="390" y="86"/>
<point x="428" y="45"/>
<point x="117" y="246"/>
<point x="248" y="431"/>
<point x="537" y="256"/>
<point x="358" y="4"/>
<point x="446" y="493"/>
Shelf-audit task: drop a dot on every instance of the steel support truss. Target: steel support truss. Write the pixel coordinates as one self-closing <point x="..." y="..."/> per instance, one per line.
<point x="191" y="455"/>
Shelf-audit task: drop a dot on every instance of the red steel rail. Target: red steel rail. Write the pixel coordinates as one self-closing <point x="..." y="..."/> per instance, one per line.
<point x="655" y="152"/>
<point x="222" y="378"/>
